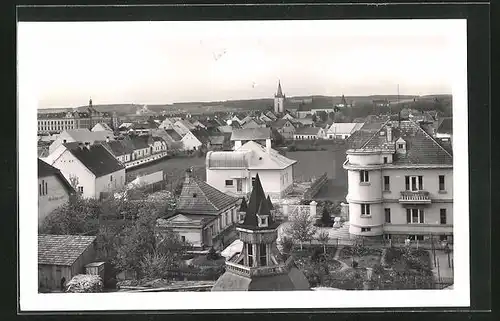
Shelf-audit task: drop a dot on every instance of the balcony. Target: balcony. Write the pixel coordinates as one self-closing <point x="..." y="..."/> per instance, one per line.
<point x="418" y="197"/>
<point x="260" y="271"/>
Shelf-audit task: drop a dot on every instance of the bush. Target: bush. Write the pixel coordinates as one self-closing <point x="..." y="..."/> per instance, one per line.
<point x="212" y="254"/>
<point x="84" y="283"/>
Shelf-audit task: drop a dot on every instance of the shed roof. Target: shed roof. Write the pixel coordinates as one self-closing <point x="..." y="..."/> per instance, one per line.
<point x="251" y="134"/>
<point x="62" y="249"/>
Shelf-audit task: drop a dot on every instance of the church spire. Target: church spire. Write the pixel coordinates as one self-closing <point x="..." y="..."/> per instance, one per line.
<point x="279" y="93"/>
<point x="258" y="205"/>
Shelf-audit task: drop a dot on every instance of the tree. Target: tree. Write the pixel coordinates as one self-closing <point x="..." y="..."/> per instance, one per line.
<point x="314" y="118"/>
<point x="323" y="238"/>
<point x="286" y="245"/>
<point x="302" y="228"/>
<point x="323" y="116"/>
<point x="331" y="115"/>
<point x="325" y="216"/>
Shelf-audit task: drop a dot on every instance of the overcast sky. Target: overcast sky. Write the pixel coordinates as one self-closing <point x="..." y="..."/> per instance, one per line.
<point x="165" y="62"/>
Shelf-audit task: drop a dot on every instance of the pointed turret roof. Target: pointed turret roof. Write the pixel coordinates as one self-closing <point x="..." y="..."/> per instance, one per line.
<point x="243" y="205"/>
<point x="258" y="205"/>
<point x="271" y="207"/>
<point x="279" y="93"/>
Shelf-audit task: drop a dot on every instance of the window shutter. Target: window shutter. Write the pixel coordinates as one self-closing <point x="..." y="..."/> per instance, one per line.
<point x="421" y="216"/>
<point x="420" y="183"/>
<point x="407" y="183"/>
<point x="408" y="215"/>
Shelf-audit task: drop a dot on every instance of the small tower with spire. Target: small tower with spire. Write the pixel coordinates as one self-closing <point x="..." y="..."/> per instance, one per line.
<point x="260" y="266"/>
<point x="279" y="100"/>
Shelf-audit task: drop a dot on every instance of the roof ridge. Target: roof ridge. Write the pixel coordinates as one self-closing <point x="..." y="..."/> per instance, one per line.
<point x="432" y="138"/>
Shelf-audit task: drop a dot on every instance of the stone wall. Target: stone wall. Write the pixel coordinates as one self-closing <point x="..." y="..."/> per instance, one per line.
<point x="315" y="187"/>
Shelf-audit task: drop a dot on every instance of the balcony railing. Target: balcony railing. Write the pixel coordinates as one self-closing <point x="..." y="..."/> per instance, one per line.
<point x="261" y="270"/>
<point x="418" y="197"/>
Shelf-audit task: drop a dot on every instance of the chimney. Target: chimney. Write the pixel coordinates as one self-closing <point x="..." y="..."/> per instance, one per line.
<point x="237" y="144"/>
<point x="268" y="145"/>
<point x="389" y="132"/>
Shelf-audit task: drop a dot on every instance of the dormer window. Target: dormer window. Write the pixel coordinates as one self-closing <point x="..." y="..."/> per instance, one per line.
<point x="262" y="221"/>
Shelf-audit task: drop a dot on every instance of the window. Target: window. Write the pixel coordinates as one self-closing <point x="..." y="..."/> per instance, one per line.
<point x="80" y="189"/>
<point x="414" y="215"/>
<point x="387" y="236"/>
<point x="263" y="255"/>
<point x="441" y="183"/>
<point x="400" y="146"/>
<point x="363" y="176"/>
<point x="442" y="216"/>
<point x="419" y="237"/>
<point x="111" y="178"/>
<point x="365" y="209"/>
<point x="414" y="183"/>
<point x="366" y="229"/>
<point x="40" y="189"/>
<point x="239" y="185"/>
<point x="229" y="182"/>
<point x="183" y="238"/>
<point x="443" y="237"/>
<point x="387" y="186"/>
<point x="385" y="160"/>
<point x="253" y="181"/>
<point x="250" y="254"/>
<point x="387" y="215"/>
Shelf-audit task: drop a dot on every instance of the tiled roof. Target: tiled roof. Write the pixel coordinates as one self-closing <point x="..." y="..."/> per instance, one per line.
<point x="251" y="134"/>
<point x="262" y="159"/>
<point x="217" y="140"/>
<point x="307" y="131"/>
<point x="280" y="123"/>
<point x="201" y="134"/>
<point x="62" y="249"/>
<point x="173" y="133"/>
<point x="361" y="136"/>
<point x="271" y="115"/>
<point x="421" y="148"/>
<point x="446" y="126"/>
<point x="96" y="158"/>
<point x="85" y="135"/>
<point x="45" y="170"/>
<point x="197" y="197"/>
<point x="344" y="128"/>
<point x="118" y="148"/>
<point x="140" y="142"/>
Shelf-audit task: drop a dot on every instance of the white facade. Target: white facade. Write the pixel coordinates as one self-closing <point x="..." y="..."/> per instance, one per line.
<point x="190" y="142"/>
<point x="88" y="184"/>
<point x="52" y="194"/>
<point x="166" y="124"/>
<point x="397" y="200"/>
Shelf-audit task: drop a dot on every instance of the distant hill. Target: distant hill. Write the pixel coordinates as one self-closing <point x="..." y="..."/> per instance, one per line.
<point x="318" y="101"/>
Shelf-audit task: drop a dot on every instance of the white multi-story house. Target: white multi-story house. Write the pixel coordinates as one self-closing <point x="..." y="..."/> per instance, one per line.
<point x="400" y="183"/>
<point x="233" y="172"/>
<point x="54" y="190"/>
<point x="342" y="130"/>
<point x="90" y="167"/>
<point x="203" y="214"/>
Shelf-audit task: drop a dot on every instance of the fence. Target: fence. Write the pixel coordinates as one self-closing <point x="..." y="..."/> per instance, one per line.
<point x="315" y="187"/>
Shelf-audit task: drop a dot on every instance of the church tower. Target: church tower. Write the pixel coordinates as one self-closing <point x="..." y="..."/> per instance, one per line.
<point x="260" y="266"/>
<point x="279" y="100"/>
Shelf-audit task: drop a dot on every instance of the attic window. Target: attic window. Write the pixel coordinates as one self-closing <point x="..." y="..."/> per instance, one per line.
<point x="260" y="158"/>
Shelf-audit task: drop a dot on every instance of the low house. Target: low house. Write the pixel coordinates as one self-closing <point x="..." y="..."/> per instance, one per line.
<point x="202" y="135"/>
<point x="253" y="123"/>
<point x="233" y="172"/>
<point x="271" y="115"/>
<point x="203" y="215"/>
<point x="303" y="122"/>
<point x="284" y="127"/>
<point x="183" y="126"/>
<point x="140" y="145"/>
<point x="81" y="135"/>
<point x="125" y="127"/>
<point x="266" y="119"/>
<point x="259" y="135"/>
<point x="175" y="137"/>
<point x="54" y="190"/>
<point x="158" y="145"/>
<point x="190" y="141"/>
<point x="91" y="168"/>
<point x="61" y="257"/>
<point x="143" y="128"/>
<point x="100" y="127"/>
<point x="342" y="130"/>
<point x="309" y="133"/>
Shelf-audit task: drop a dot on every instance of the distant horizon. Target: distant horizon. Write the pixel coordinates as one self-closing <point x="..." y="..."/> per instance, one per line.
<point x="207" y="61"/>
<point x="94" y="103"/>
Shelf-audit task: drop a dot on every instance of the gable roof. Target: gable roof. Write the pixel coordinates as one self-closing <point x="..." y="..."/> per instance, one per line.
<point x="96" y="158"/>
<point x="118" y="148"/>
<point x="260" y="158"/>
<point x="201" y="134"/>
<point x="251" y="134"/>
<point x="446" y="126"/>
<point x="217" y="140"/>
<point x="62" y="249"/>
<point x="174" y="134"/>
<point x="280" y="123"/>
<point x="197" y="197"/>
<point x="45" y="170"/>
<point x="103" y="125"/>
<point x="85" y="135"/>
<point x="307" y="131"/>
<point x="344" y="128"/>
